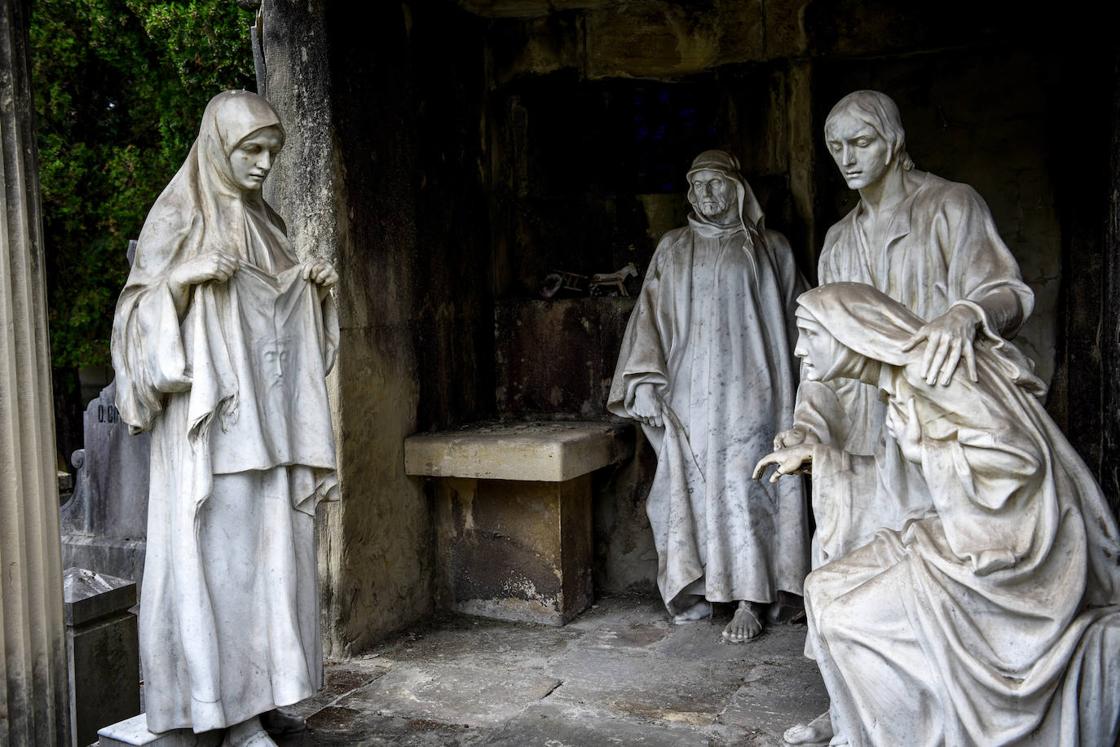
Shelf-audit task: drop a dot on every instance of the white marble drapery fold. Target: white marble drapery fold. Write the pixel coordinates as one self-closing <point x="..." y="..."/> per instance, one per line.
<point x="242" y="446"/>
<point x="995" y="618"/>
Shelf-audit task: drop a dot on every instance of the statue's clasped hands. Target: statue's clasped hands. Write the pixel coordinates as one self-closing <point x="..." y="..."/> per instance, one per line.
<point x="948" y="338"/>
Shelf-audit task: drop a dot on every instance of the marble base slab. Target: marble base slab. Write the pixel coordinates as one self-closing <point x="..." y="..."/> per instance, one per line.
<point x="134" y="732"/>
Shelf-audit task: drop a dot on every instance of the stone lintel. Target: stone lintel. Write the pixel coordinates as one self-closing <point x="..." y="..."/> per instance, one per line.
<point x="538" y="451"/>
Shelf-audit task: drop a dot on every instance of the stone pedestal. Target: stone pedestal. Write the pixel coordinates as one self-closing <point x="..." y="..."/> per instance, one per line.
<point x="103" y="651"/>
<point x="513" y="514"/>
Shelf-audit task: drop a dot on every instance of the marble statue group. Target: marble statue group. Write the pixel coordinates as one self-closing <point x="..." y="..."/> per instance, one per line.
<point x="959" y="566"/>
<point x="964" y="582"/>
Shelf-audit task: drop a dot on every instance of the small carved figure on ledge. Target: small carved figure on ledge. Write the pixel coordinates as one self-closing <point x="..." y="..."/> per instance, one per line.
<point x="221" y="342"/>
<point x="706" y="367"/>
<point x="993" y="617"/>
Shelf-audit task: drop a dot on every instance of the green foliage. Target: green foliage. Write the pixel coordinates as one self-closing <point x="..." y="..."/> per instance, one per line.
<point x="119" y="87"/>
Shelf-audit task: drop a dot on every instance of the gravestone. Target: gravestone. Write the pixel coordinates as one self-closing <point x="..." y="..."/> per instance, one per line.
<point x="104" y="523"/>
<point x="103" y="651"/>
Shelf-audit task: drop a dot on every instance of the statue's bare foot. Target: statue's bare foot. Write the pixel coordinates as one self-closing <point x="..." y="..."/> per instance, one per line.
<point x="698" y="611"/>
<point x="816" y="732"/>
<point x="248" y="734"/>
<point x="745" y="624"/>
<point x="277" y="722"/>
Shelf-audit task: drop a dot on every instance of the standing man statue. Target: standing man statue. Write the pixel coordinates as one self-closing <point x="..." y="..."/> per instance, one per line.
<point x="707" y="367"/>
<point x="931" y="245"/>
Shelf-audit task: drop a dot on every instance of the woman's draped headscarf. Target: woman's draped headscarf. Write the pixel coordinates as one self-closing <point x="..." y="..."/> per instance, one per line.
<point x="868" y="324"/>
<point x="201" y="210"/>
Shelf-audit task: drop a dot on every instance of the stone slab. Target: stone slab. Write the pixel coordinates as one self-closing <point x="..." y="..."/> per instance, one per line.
<point x="776" y="694"/>
<point x="134" y="732"/>
<point x="115" y="557"/>
<point x="553" y="724"/>
<point x="469" y="696"/>
<point x="539" y="451"/>
<point x="89" y="595"/>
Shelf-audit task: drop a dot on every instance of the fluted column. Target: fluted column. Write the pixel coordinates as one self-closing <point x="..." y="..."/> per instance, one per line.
<point x="33" y="679"/>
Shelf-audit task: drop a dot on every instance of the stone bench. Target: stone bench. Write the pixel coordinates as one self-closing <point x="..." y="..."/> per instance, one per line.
<point x="513" y="514"/>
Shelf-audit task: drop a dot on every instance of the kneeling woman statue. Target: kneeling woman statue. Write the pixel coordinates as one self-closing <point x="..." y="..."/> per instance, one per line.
<point x="222" y="339"/>
<point x="993" y="618"/>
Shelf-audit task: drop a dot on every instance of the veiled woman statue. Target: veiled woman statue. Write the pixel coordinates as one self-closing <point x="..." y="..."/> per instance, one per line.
<point x="222" y="339"/>
<point x="991" y="620"/>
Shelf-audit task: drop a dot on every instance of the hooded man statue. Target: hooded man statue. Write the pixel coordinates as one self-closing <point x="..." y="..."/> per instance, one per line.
<point x="707" y="367"/>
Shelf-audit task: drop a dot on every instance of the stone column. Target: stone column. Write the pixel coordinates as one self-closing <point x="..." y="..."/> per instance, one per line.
<point x="33" y="686"/>
<point x="1110" y="309"/>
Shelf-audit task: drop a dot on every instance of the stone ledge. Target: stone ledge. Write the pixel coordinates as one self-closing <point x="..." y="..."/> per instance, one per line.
<point x="540" y="451"/>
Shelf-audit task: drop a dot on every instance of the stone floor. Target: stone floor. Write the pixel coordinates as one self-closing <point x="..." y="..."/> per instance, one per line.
<point x="620" y="674"/>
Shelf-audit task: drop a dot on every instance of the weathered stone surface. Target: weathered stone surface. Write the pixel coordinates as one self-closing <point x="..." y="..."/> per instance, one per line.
<point x="381" y="173"/>
<point x="469" y="696"/>
<point x="341" y="680"/>
<point x="776" y="694"/>
<point x="655" y="38"/>
<point x="540" y="451"/>
<point x="526" y="8"/>
<point x="33" y="691"/>
<point x="557" y="357"/>
<point x="613" y="676"/>
<point x="454" y="640"/>
<point x="585" y="725"/>
<point x="515" y="550"/>
<point x="104" y="658"/>
<point x="104" y="523"/>
<point x="111" y="495"/>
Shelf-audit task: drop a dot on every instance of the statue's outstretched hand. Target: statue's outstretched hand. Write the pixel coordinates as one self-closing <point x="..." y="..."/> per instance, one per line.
<point x="790" y="461"/>
<point x="795" y="436"/>
<point x="907" y="431"/>
<point x="320" y="272"/>
<point x="647" y="406"/>
<point x="948" y="338"/>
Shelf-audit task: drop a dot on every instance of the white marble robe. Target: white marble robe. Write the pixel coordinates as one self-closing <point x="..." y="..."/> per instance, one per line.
<point x="242" y="446"/>
<point x="942" y="248"/>
<point x="712" y="332"/>
<point x="994" y="619"/>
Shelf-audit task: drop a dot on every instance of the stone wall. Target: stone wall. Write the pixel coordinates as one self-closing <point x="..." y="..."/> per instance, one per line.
<point x="382" y="173"/>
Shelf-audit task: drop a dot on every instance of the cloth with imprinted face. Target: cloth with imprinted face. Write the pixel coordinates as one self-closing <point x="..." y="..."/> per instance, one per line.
<point x="259" y="368"/>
